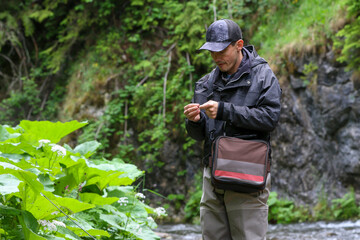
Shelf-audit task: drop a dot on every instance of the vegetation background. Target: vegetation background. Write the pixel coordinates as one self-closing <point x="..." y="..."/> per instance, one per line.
<point x="129" y="66"/>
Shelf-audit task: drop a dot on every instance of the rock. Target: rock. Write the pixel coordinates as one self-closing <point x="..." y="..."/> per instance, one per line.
<point x="316" y="147"/>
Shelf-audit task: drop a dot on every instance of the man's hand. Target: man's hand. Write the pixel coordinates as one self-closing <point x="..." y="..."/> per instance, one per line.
<point x="192" y="112"/>
<point x="211" y="108"/>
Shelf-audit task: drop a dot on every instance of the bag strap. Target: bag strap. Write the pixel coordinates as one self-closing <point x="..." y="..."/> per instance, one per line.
<point x="211" y="82"/>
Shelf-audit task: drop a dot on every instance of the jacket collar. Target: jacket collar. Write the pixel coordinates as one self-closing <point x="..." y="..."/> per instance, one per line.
<point x="238" y="79"/>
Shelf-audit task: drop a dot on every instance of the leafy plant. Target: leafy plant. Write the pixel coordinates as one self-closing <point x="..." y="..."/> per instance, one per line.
<point x="284" y="211"/>
<point x="346" y="207"/>
<point x="310" y="71"/>
<point x="192" y="207"/>
<point x="348" y="39"/>
<point x="49" y="191"/>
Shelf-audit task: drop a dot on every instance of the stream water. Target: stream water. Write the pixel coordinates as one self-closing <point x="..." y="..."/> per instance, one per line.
<point x="347" y="230"/>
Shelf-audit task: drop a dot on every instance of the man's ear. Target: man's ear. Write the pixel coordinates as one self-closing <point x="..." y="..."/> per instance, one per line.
<point x="239" y="44"/>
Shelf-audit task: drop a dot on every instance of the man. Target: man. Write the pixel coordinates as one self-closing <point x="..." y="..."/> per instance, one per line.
<point x="242" y="96"/>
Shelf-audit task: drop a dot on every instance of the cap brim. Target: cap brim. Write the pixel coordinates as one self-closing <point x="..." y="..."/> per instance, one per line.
<point x="215" y="46"/>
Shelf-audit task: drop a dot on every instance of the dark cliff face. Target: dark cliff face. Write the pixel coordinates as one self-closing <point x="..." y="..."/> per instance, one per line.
<point x="316" y="148"/>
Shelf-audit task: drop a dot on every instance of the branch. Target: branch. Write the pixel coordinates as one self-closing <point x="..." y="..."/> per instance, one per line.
<point x="126" y="121"/>
<point x="229" y="5"/>
<point x="164" y="86"/>
<point x="171" y="48"/>
<point x="142" y="81"/>
<point x="36" y="50"/>
<point x="214" y="8"/>
<point x="42" y="86"/>
<point x="13" y="66"/>
<point x="190" y="74"/>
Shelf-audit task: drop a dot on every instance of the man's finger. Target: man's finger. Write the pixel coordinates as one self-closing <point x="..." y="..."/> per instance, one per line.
<point x="191" y="109"/>
<point x="205" y="105"/>
<point x="191" y="106"/>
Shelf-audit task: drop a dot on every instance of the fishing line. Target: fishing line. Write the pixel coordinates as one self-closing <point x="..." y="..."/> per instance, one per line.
<point x="67" y="216"/>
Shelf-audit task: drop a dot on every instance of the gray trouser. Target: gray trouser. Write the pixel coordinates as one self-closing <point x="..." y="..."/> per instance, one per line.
<point x="228" y="215"/>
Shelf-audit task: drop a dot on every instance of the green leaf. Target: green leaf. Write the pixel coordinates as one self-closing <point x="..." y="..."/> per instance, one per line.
<point x="42" y="208"/>
<point x="115" y="173"/>
<point x="27" y="220"/>
<point x="41" y="15"/>
<point x="16" y="148"/>
<point x="97" y="199"/>
<point x="88" y="148"/>
<point x="5" y="135"/>
<point x="6" y="210"/>
<point x="68" y="234"/>
<point x="8" y="184"/>
<point x="37" y="130"/>
<point x="46" y="181"/>
<point x="114" y="220"/>
<point x="25" y="176"/>
<point x="15" y="158"/>
<point x="141" y="232"/>
<point x="92" y="232"/>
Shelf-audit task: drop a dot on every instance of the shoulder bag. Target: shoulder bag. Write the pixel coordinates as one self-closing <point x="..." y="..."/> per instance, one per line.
<point x="239" y="165"/>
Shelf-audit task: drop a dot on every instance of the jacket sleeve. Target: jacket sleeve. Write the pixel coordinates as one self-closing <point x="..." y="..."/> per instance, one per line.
<point x="196" y="130"/>
<point x="262" y="116"/>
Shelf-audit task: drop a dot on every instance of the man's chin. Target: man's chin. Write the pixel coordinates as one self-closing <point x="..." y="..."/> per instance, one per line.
<point x="222" y="68"/>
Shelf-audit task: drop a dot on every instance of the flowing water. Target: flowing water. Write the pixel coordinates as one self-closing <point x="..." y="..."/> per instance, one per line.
<point x="347" y="230"/>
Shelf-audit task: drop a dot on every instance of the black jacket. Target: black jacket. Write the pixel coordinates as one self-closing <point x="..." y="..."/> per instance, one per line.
<point x="249" y="103"/>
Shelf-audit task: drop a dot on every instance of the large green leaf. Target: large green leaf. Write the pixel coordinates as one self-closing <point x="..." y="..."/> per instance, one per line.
<point x="112" y="173"/>
<point x="47" y="182"/>
<point x="15" y="158"/>
<point x="67" y="233"/>
<point x="92" y="232"/>
<point x="141" y="231"/>
<point x="5" y="135"/>
<point x="87" y="149"/>
<point x="16" y="148"/>
<point x="107" y="178"/>
<point x="6" y="210"/>
<point x="97" y="199"/>
<point x="8" y="184"/>
<point x="115" y="220"/>
<point x="25" y="176"/>
<point x="30" y="235"/>
<point x="42" y="208"/>
<point x="26" y="219"/>
<point x="37" y="130"/>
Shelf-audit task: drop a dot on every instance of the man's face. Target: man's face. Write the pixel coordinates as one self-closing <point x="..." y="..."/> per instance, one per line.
<point x="229" y="59"/>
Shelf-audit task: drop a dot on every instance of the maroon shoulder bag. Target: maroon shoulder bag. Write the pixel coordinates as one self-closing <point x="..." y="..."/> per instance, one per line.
<point x="240" y="165"/>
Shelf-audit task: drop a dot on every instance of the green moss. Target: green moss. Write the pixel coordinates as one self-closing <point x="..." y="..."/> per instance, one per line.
<point x="300" y="24"/>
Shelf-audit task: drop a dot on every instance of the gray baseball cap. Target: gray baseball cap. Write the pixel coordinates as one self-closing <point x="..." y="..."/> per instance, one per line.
<point x="220" y="34"/>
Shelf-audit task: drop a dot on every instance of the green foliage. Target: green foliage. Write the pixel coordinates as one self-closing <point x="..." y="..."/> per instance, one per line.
<point x="346" y="208"/>
<point x="21" y="104"/>
<point x="177" y="200"/>
<point x="310" y="71"/>
<point x="298" y="25"/>
<point x="41" y="181"/>
<point x="25" y="103"/>
<point x="192" y="207"/>
<point x="348" y="39"/>
<point x="286" y="211"/>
